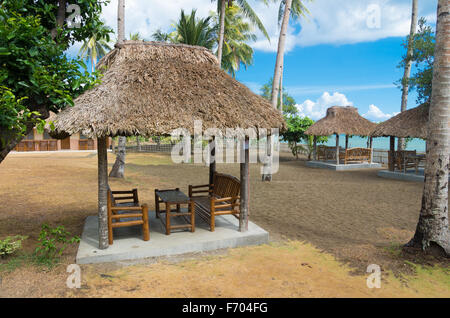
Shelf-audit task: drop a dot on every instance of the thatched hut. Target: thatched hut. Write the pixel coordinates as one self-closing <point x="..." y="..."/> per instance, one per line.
<point x="341" y="120"/>
<point x="152" y="88"/>
<point x="411" y="123"/>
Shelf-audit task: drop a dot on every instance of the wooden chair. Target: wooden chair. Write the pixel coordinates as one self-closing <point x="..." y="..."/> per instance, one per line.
<point x="403" y="160"/>
<point x="126" y="207"/>
<point x="357" y="155"/>
<point x="220" y="198"/>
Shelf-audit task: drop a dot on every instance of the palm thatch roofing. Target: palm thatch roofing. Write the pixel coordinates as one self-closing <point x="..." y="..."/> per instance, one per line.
<point x="152" y="88"/>
<point x="411" y="123"/>
<point x="341" y="120"/>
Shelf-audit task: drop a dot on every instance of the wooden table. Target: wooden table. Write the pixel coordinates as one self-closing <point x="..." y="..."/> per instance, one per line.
<point x="175" y="197"/>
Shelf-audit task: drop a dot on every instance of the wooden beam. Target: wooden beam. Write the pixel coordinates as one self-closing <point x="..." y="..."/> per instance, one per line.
<point x="346" y="142"/>
<point x="337" y="149"/>
<point x="315" y="148"/>
<point x="245" y="193"/>
<point x="102" y="193"/>
<point x="391" y="163"/>
<point x="371" y="149"/>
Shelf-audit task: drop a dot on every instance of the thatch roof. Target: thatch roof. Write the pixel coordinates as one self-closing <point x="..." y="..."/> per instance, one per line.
<point x="411" y="123"/>
<point x="152" y="88"/>
<point x="342" y="120"/>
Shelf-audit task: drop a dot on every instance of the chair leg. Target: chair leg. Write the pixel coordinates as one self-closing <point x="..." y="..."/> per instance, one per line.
<point x="145" y="226"/>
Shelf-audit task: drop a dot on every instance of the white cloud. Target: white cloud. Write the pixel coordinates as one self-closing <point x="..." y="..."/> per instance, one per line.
<point x="316" y="110"/>
<point x="329" y="21"/>
<point x="376" y="114"/>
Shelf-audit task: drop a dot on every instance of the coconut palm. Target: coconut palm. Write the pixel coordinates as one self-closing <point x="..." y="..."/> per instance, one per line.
<point x="288" y="9"/>
<point x="161" y="36"/>
<point x="118" y="169"/>
<point x="194" y="31"/>
<point x="247" y="11"/>
<point x="433" y="227"/>
<point x="236" y="51"/>
<point x="408" y="62"/>
<point x="94" y="48"/>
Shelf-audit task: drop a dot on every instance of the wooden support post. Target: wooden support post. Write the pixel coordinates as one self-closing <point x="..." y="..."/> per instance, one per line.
<point x="315" y="148"/>
<point x="212" y="160"/>
<point x="391" y="163"/>
<point x="102" y="193"/>
<point x="337" y="149"/>
<point x="244" y="201"/>
<point x="371" y="149"/>
<point x="346" y="142"/>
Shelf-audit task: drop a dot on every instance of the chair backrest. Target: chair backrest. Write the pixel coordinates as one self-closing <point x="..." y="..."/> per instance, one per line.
<point x="358" y="152"/>
<point x="226" y="185"/>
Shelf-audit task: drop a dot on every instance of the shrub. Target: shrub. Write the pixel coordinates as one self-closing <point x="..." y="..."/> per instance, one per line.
<point x="52" y="242"/>
<point x="10" y="245"/>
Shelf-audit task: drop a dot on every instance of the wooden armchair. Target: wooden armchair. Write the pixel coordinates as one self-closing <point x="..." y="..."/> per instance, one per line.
<point x="126" y="206"/>
<point x="404" y="160"/>
<point x="220" y="198"/>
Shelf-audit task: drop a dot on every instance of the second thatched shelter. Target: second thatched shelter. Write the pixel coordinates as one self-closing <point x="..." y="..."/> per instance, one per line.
<point x="411" y="123"/>
<point x="341" y="120"/>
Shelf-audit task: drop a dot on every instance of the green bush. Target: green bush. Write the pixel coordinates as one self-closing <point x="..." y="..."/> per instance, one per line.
<point x="10" y="245"/>
<point x="52" y="242"/>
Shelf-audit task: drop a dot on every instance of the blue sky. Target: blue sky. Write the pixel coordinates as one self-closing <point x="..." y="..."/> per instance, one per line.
<point x="345" y="52"/>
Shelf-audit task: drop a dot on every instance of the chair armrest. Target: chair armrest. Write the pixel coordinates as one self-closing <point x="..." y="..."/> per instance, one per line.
<point x="215" y="200"/>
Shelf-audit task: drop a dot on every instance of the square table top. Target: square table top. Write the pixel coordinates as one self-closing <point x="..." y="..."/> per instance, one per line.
<point x="172" y="196"/>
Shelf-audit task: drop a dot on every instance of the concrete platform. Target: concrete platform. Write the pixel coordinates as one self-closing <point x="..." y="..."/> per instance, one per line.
<point x="128" y="243"/>
<point x="410" y="175"/>
<point x="333" y="166"/>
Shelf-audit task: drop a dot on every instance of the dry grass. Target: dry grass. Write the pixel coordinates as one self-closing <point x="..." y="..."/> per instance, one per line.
<point x="352" y="216"/>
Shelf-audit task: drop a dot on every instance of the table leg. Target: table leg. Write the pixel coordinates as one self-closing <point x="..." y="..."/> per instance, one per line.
<point x="167" y="218"/>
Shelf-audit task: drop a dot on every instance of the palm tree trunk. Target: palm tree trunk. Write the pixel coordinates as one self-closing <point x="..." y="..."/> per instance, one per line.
<point x="407" y="73"/>
<point x="118" y="169"/>
<point x="433" y="227"/>
<point x="222" y="30"/>
<point x="281" y="91"/>
<point x="280" y="54"/>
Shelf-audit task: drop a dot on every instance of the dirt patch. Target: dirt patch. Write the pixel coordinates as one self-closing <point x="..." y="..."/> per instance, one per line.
<point x="354" y="215"/>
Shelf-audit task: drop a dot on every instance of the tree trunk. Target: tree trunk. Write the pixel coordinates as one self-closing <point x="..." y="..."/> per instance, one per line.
<point x="407" y="73"/>
<point x="118" y="169"/>
<point x="221" y="31"/>
<point x="432" y="230"/>
<point x="280" y="54"/>
<point x="102" y="193"/>
<point x="138" y="143"/>
<point x="60" y="18"/>
<point x="121" y="21"/>
<point x="119" y="165"/>
<point x="281" y="91"/>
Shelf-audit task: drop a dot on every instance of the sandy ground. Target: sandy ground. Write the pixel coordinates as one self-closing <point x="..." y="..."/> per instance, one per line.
<point x="348" y="220"/>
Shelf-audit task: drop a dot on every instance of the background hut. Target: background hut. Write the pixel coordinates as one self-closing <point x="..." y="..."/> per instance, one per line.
<point x="341" y="120"/>
<point x="152" y="88"/>
<point x="411" y="123"/>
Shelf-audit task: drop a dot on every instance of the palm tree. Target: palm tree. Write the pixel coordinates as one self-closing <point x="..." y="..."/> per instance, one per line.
<point x="408" y="62"/>
<point x="248" y="12"/>
<point x="161" y="36"/>
<point x="194" y="31"/>
<point x="237" y="32"/>
<point x="288" y="9"/>
<point x="94" y="48"/>
<point x="433" y="227"/>
<point x="118" y="169"/>
<point x="135" y="37"/>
